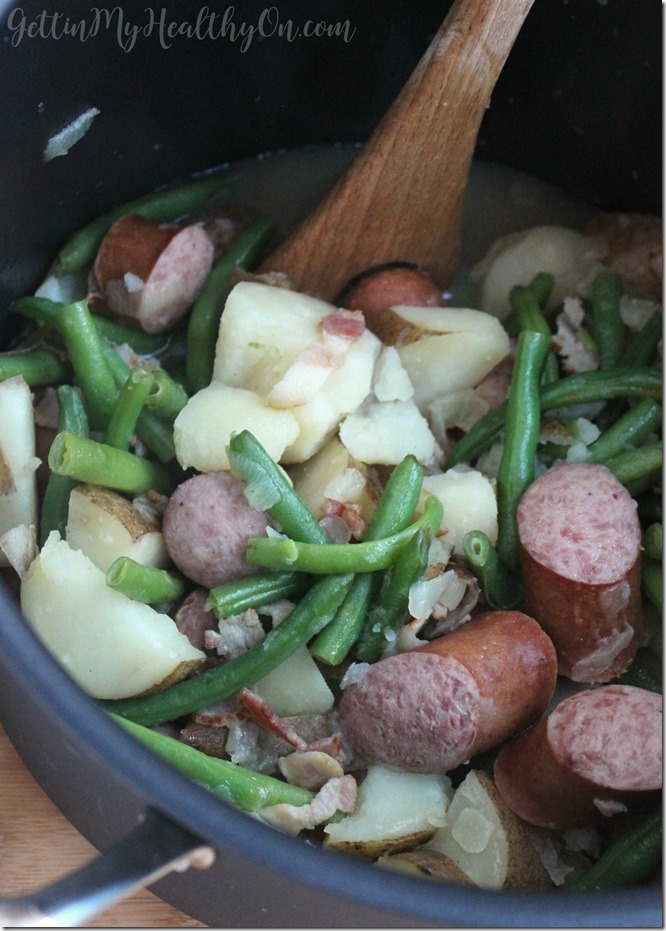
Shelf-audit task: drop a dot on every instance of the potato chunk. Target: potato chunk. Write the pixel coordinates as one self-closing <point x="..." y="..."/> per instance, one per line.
<point x="112" y="646"/>
<point x="486" y="840"/>
<point x="395" y="811"/>
<point x="104" y="526"/>
<point x="18" y="463"/>
<point x="469" y="503"/>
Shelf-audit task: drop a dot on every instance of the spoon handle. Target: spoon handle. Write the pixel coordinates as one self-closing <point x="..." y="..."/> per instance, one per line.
<point x="401" y="198"/>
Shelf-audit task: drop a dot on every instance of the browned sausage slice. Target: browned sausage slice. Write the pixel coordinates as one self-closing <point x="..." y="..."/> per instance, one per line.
<point x="597" y="752"/>
<point x="152" y="272"/>
<point x="580" y="546"/>
<point x="393" y="284"/>
<point x="431" y="709"/>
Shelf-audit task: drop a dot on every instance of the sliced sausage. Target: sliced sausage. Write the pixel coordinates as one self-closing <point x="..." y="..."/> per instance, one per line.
<point x="390" y="285"/>
<point x="206" y="527"/>
<point x="431" y="709"/>
<point x="152" y="272"/>
<point x="580" y="543"/>
<point x="597" y="753"/>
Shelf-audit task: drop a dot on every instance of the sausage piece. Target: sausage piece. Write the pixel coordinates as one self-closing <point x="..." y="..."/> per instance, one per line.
<point x="152" y="272"/>
<point x="580" y="543"/>
<point x="596" y="753"/>
<point x="206" y="527"/>
<point x="390" y="285"/>
<point x="431" y="709"/>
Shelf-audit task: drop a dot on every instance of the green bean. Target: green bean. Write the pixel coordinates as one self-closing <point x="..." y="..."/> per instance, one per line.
<point x="541" y="288"/>
<point x="501" y="588"/>
<point x="55" y="506"/>
<point x="530" y="317"/>
<point x="255" y="591"/>
<point x="652" y="581"/>
<point x="311" y="614"/>
<point x="630" y="431"/>
<point x="245" y="788"/>
<point x="656" y="643"/>
<point x="521" y="435"/>
<point x="144" y="583"/>
<point x="43" y="310"/>
<point x="642" y="348"/>
<point x="250" y="462"/>
<point x="607" y="324"/>
<point x="335" y="559"/>
<point x="637" y="463"/>
<point x="131" y="401"/>
<point x="165" y="204"/>
<point x="582" y="388"/>
<point x="155" y="433"/>
<point x="37" y="366"/>
<point x="391" y="607"/>
<point x="393" y="512"/>
<point x="632" y="858"/>
<point x="653" y="540"/>
<point x="85" y="348"/>
<point x="639" y="676"/>
<point x="245" y="250"/>
<point x="97" y="464"/>
<point x="167" y="398"/>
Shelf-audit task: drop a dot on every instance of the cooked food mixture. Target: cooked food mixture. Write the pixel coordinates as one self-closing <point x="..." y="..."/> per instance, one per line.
<point x="383" y="570"/>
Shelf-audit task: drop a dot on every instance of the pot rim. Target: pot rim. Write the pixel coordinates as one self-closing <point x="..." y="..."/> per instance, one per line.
<point x="181" y="800"/>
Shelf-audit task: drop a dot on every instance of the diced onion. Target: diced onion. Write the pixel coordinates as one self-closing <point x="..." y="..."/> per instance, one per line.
<point x="62" y="142"/>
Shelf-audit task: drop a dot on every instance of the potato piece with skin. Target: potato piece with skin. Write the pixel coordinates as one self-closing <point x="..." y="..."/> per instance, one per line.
<point x="203" y="428"/>
<point x="469" y="502"/>
<point x="486" y="840"/>
<point x="443" y="349"/>
<point x="516" y="258"/>
<point x="427" y="864"/>
<point x="18" y="463"/>
<point x="112" y="646"/>
<point x="395" y="811"/>
<point x="104" y="526"/>
<point x="330" y="471"/>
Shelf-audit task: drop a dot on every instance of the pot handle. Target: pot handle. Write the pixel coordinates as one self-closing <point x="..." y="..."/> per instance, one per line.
<point x="157" y="846"/>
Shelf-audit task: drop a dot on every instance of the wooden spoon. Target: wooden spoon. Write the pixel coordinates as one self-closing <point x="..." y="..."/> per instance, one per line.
<point x="401" y="198"/>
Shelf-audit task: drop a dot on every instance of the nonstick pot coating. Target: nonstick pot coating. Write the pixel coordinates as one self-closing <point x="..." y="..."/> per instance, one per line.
<point x="579" y="103"/>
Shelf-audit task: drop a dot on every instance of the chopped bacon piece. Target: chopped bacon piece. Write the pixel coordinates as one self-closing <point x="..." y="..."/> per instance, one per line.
<point x="349" y="324"/>
<point x="310" y="769"/>
<point x="262" y="713"/>
<point x="337" y="794"/>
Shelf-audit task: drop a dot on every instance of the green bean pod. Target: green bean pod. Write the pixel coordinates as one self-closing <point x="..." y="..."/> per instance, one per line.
<point x="36" y="366"/>
<point x="250" y="462"/>
<point x="254" y="591"/>
<point x="607" y="323"/>
<point x="125" y="414"/>
<point x="582" y="388"/>
<point x="393" y="512"/>
<point x="85" y="460"/>
<point x="641" y="350"/>
<point x="652" y="581"/>
<point x="639" y="676"/>
<point x="55" y="506"/>
<point x="636" y="464"/>
<point x="245" y="788"/>
<point x="629" y="431"/>
<point x="530" y="317"/>
<point x="146" y="584"/>
<point x="245" y="250"/>
<point x="340" y="558"/>
<point x="631" y="859"/>
<point x="521" y="436"/>
<point x="653" y="540"/>
<point x="501" y="588"/>
<point x="311" y="614"/>
<point x="166" y="204"/>
<point x="391" y="607"/>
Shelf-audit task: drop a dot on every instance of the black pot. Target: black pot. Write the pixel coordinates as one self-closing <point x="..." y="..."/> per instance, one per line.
<point x="579" y="103"/>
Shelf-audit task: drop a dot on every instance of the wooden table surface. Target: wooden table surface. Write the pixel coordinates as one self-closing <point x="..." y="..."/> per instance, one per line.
<point x="38" y="845"/>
